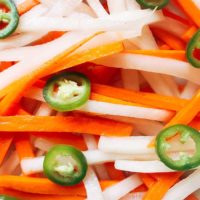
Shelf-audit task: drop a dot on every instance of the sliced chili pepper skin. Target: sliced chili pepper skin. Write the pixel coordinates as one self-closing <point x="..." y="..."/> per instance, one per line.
<point x="12" y="17"/>
<point x="67" y="91"/>
<point x="5" y="197"/>
<point x="65" y="165"/>
<point x="186" y="162"/>
<point x="152" y="4"/>
<point x="193" y="50"/>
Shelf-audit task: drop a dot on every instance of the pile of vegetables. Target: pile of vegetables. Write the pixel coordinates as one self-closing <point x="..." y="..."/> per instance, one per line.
<point x="99" y="99"/>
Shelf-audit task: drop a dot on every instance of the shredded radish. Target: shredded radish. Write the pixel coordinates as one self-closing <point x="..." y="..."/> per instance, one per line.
<point x="152" y="64"/>
<point x="92" y="186"/>
<point x="92" y="145"/>
<point x="80" y="22"/>
<point x="154" y="166"/>
<point x="44" y="110"/>
<point x="125" y="110"/>
<point x="43" y="144"/>
<point x="122" y="188"/>
<point x="134" y="196"/>
<point x="118" y="7"/>
<point x="138" y="145"/>
<point x="189" y="90"/>
<point x="187" y="186"/>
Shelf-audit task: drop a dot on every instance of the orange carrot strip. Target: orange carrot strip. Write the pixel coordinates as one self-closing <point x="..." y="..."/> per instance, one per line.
<point x="62" y="138"/>
<point x="149" y="99"/>
<point x="29" y="196"/>
<point x="5" y="142"/>
<point x="172" y="15"/>
<point x="189" y="33"/>
<point x="168" y="38"/>
<point x="5" y="65"/>
<point x="164" y="47"/>
<point x="148" y="180"/>
<point x="175" y="54"/>
<point x="102" y="98"/>
<point x="113" y="173"/>
<point x="90" y="125"/>
<point x="44" y="186"/>
<point x="190" y="9"/>
<point x="15" y="90"/>
<point x="191" y="197"/>
<point x="141" y="188"/>
<point x="89" y="55"/>
<point x="158" y="190"/>
<point x="23" y="146"/>
<point x="26" y="6"/>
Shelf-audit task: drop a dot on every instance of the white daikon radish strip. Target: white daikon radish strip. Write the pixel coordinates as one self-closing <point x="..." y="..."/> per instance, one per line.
<point x="119" y="22"/>
<point x="134" y="196"/>
<point x="187" y="186"/>
<point x="17" y="2"/>
<point x="144" y="126"/>
<point x="115" y="8"/>
<point x="130" y="79"/>
<point x="122" y="188"/>
<point x="63" y="7"/>
<point x="20" y="40"/>
<point x="132" y="5"/>
<point x="84" y="8"/>
<point x="97" y="7"/>
<point x="197" y="3"/>
<point x="138" y="145"/>
<point x="189" y="90"/>
<point x="43" y="144"/>
<point x="32" y="165"/>
<point x="154" y="166"/>
<point x="125" y="110"/>
<point x="92" y="145"/>
<point x="10" y="164"/>
<point x="44" y="110"/>
<point x="55" y="47"/>
<point x="98" y="157"/>
<point x="152" y="64"/>
<point x="156" y="82"/>
<point x="92" y="186"/>
<point x="172" y="85"/>
<point x="173" y="26"/>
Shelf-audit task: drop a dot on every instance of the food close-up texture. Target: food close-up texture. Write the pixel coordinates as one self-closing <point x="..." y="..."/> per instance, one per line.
<point x="99" y="99"/>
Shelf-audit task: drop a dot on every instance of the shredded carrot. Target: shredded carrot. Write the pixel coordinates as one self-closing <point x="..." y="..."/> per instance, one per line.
<point x="164" y="47"/>
<point x="173" y="41"/>
<point x="5" y="65"/>
<point x="190" y="9"/>
<point x="189" y="33"/>
<point x="62" y="138"/>
<point x="149" y="99"/>
<point x="191" y="197"/>
<point x="90" y="125"/>
<point x="26" y="5"/>
<point x="16" y="89"/>
<point x="148" y="180"/>
<point x="172" y="15"/>
<point x="23" y="146"/>
<point x="158" y="190"/>
<point x="113" y="173"/>
<point x="29" y="196"/>
<point x="89" y="55"/>
<point x="44" y="186"/>
<point x="175" y="54"/>
<point x="5" y="142"/>
<point x="141" y="188"/>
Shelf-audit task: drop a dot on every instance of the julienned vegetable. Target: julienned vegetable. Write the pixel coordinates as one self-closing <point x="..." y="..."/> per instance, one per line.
<point x="193" y="50"/>
<point x="158" y="4"/>
<point x="67" y="91"/>
<point x="185" y="161"/>
<point x="5" y="197"/>
<point x="65" y="165"/>
<point x="9" y="18"/>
